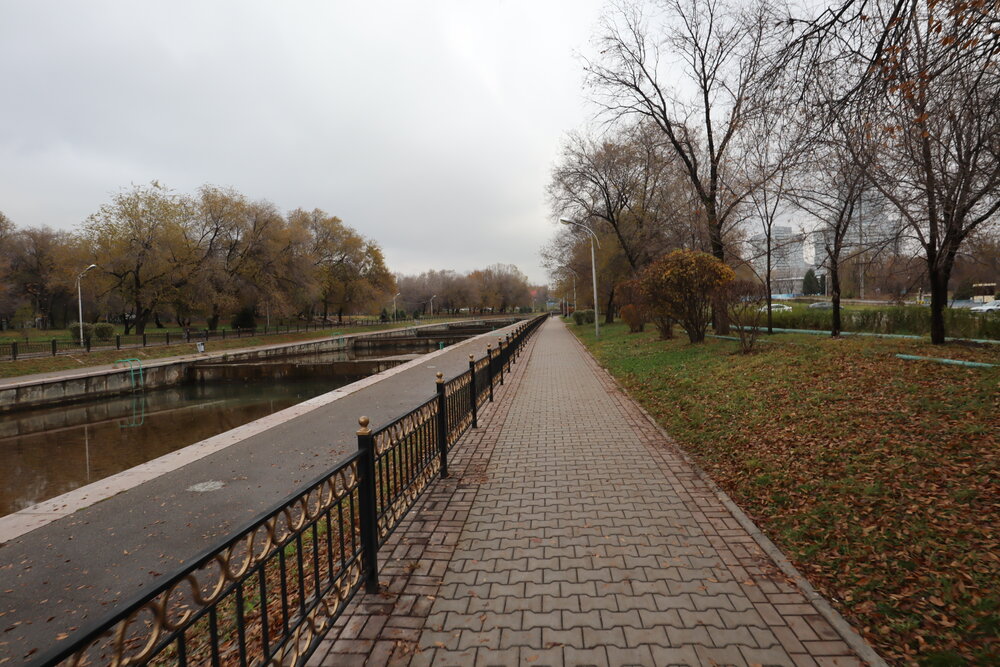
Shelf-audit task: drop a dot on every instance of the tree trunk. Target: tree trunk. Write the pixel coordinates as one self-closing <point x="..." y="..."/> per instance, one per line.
<point x="939" y="300"/>
<point x="767" y="283"/>
<point x="609" y="311"/>
<point x="156" y="320"/>
<point x="665" y="326"/>
<point x="835" y="293"/>
<point x="720" y="318"/>
<point x="141" y="318"/>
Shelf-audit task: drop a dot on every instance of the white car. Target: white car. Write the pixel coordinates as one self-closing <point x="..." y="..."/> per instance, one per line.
<point x="989" y="307"/>
<point x="776" y="308"/>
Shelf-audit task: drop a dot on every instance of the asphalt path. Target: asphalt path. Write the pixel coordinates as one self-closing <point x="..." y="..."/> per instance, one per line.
<point x="64" y="575"/>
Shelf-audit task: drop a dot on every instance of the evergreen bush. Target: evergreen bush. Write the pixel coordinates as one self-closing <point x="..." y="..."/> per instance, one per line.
<point x="74" y="331"/>
<point x="103" y="331"/>
<point x="244" y="319"/>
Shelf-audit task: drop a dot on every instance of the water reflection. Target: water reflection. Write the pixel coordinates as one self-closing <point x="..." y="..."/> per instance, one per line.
<point x="50" y="451"/>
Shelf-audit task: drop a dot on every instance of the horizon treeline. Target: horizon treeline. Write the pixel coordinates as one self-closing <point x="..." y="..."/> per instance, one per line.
<point x="214" y="258"/>
<point x="498" y="288"/>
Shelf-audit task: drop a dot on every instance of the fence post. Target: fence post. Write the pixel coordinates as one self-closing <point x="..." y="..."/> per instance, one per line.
<point x="489" y="355"/>
<point x="13" y="351"/>
<point x="87" y="343"/>
<point x="118" y="341"/>
<point x="187" y="335"/>
<point x="144" y="340"/>
<point x="223" y="334"/>
<point x="475" y="395"/>
<point x="366" y="499"/>
<point x="53" y="347"/>
<point x="442" y="425"/>
<point x="500" y="358"/>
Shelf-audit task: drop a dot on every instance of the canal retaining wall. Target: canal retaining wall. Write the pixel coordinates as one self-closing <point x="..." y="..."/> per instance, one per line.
<point x="94" y="383"/>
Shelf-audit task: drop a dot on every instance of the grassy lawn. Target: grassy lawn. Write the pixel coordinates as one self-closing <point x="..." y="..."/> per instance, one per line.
<point x="878" y="477"/>
<point x="30" y="365"/>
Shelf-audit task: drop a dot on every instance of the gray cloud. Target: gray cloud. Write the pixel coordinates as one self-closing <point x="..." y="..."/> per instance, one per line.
<point x="430" y="127"/>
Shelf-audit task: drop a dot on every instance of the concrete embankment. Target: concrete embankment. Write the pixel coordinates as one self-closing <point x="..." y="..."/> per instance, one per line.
<point x="56" y="388"/>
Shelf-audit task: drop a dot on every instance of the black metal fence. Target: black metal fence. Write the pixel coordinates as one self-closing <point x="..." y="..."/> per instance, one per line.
<point x="35" y="348"/>
<point x="270" y="592"/>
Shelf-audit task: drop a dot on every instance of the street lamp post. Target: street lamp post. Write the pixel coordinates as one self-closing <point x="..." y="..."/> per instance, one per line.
<point x="394" y="306"/>
<point x="593" y="269"/>
<point x="79" y="300"/>
<point x="432" y="304"/>
<point x="574" y="284"/>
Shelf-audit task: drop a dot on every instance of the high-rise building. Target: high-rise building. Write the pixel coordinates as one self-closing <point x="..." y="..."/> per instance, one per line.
<point x="788" y="263"/>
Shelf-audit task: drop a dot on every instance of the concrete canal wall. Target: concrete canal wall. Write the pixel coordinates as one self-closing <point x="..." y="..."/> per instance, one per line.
<point x="83" y="385"/>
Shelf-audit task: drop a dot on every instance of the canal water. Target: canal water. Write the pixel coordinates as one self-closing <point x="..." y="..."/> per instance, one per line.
<point x="46" y="452"/>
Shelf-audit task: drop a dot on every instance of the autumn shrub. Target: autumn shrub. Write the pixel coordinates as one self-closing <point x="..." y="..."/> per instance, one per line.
<point x="682" y="285"/>
<point x="632" y="315"/>
<point x="743" y="300"/>
<point x="631" y="292"/>
<point x="578" y="317"/>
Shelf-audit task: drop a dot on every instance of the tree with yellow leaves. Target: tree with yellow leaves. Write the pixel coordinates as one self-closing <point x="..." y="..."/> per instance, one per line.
<point x="681" y="285"/>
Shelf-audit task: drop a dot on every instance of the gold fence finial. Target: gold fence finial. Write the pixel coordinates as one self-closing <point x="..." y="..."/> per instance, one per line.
<point x="440" y="377"/>
<point x="472" y="357"/>
<point x="364" y="430"/>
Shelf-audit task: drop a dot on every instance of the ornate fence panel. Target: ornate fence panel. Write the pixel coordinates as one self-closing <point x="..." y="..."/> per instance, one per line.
<point x="406" y="461"/>
<point x="267" y="595"/>
<point x="482" y="370"/>
<point x="458" y="396"/>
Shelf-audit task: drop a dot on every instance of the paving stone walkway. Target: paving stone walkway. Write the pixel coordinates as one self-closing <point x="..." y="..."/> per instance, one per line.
<point x="573" y="532"/>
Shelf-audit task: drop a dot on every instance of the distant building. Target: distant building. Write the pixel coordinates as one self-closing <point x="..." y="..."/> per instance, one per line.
<point x="788" y="260"/>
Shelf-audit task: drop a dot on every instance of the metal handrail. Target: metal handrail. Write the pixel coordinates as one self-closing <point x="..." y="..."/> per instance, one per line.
<point x="133" y="363"/>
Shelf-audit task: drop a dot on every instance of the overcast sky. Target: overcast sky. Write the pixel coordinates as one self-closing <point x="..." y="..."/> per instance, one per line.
<point x="430" y="127"/>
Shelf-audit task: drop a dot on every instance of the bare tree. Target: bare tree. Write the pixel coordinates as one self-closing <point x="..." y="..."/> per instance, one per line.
<point x="934" y="122"/>
<point x="775" y="145"/>
<point x="833" y="186"/>
<point x="628" y="183"/>
<point x="925" y="78"/>
<point x="723" y="53"/>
